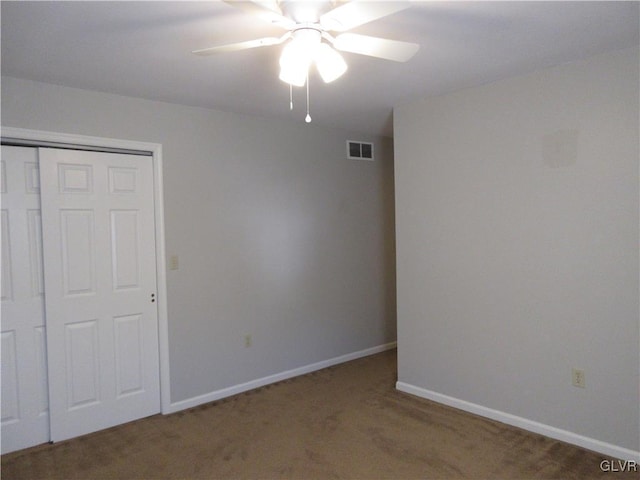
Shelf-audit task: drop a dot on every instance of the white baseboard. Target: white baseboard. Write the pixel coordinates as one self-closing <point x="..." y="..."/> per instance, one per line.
<point x="530" y="425"/>
<point x="278" y="377"/>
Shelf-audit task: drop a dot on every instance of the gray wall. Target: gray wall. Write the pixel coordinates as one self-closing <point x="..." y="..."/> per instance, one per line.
<point x="517" y="246"/>
<point x="278" y="235"/>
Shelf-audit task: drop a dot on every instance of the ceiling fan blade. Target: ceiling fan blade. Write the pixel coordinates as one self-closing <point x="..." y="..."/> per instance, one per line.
<point x="267" y="10"/>
<point x="356" y="13"/>
<point x="234" y="47"/>
<point x="375" y="47"/>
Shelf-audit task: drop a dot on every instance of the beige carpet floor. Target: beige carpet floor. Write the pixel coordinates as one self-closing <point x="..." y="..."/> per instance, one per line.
<point x="346" y="421"/>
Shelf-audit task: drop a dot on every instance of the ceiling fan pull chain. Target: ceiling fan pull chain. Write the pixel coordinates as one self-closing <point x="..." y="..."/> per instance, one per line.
<point x="290" y="96"/>
<point x="308" y="117"/>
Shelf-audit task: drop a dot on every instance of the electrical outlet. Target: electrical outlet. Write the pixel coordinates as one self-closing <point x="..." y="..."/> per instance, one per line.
<point x="247" y="341"/>
<point x="577" y="377"/>
<point x="173" y="262"/>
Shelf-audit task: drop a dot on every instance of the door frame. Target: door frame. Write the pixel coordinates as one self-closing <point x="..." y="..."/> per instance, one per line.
<point x="158" y="199"/>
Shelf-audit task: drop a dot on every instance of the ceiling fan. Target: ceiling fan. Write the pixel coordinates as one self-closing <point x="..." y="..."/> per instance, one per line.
<point x="315" y="35"/>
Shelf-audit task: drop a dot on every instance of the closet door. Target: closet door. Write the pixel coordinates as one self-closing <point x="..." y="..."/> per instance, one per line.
<point x="100" y="284"/>
<point x="25" y="420"/>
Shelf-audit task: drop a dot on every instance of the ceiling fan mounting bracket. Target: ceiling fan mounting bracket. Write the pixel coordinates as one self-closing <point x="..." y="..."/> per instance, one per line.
<point x="312" y="32"/>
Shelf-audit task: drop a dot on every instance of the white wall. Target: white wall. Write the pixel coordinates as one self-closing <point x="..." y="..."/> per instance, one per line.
<point x="278" y="235"/>
<point x="517" y="248"/>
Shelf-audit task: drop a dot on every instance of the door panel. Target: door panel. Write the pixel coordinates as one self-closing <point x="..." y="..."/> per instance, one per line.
<point x="77" y="243"/>
<point x="125" y="241"/>
<point x="100" y="279"/>
<point x="82" y="364"/>
<point x="129" y="354"/>
<point x="25" y="419"/>
<point x="10" y="402"/>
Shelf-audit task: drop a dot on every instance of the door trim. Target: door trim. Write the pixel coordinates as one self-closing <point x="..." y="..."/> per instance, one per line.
<point x="158" y="198"/>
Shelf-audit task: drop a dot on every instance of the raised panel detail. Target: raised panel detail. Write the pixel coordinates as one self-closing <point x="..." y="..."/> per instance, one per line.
<point x="10" y="404"/>
<point x="122" y="180"/>
<point x="75" y="178"/>
<point x="40" y="339"/>
<point x="77" y="251"/>
<point x="3" y="177"/>
<point x="34" y="225"/>
<point x="7" y="276"/>
<point x="125" y="249"/>
<point x="128" y="349"/>
<point x="32" y="178"/>
<point x="82" y="372"/>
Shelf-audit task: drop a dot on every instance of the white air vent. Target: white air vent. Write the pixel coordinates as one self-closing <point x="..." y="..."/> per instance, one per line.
<point x="359" y="150"/>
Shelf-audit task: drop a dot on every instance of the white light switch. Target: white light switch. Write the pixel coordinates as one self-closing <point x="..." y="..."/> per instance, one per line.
<point x="173" y="262"/>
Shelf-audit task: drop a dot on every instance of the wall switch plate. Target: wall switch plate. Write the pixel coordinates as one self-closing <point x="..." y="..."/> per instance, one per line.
<point x="173" y="262"/>
<point x="577" y="377"/>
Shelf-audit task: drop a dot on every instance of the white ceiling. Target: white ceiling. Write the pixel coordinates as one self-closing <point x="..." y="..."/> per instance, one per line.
<point x="142" y="49"/>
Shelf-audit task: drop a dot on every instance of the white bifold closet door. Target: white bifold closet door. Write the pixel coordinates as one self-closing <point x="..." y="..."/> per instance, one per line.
<point x="99" y="288"/>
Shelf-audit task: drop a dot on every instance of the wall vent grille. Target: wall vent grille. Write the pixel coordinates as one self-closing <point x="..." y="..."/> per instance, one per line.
<point x="359" y="150"/>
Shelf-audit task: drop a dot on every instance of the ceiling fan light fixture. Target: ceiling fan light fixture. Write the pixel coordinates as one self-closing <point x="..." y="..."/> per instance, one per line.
<point x="295" y="75"/>
<point x="330" y="63"/>
<point x="294" y="63"/>
<point x="297" y="56"/>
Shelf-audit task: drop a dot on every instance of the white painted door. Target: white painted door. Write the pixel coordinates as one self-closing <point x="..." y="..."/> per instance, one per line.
<point x="100" y="284"/>
<point x="25" y="420"/>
